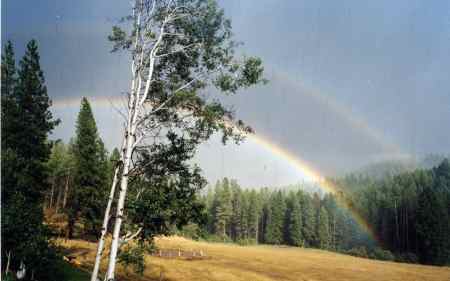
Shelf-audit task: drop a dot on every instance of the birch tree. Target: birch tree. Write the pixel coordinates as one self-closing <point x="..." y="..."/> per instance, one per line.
<point x="178" y="48"/>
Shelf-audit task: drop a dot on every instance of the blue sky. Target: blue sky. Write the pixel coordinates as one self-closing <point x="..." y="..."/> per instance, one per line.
<point x="384" y="63"/>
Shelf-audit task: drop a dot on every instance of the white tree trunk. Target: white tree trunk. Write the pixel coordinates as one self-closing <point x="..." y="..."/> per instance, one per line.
<point x="52" y="193"/>
<point x="66" y="191"/>
<point x="101" y="242"/>
<point x="120" y="207"/>
<point x="142" y="74"/>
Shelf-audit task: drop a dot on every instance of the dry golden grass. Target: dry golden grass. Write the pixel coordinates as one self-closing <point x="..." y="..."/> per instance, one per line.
<point x="234" y="263"/>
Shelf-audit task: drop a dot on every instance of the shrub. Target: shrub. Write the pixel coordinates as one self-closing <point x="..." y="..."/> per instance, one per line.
<point x="407" y="257"/>
<point x="247" y="241"/>
<point x="381" y="254"/>
<point x="358" y="252"/>
<point x="218" y="238"/>
<point x="191" y="231"/>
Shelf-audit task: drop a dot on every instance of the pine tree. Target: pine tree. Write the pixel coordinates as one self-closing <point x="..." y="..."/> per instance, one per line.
<point x="323" y="231"/>
<point x="8" y="101"/>
<point x="244" y="215"/>
<point x="88" y="196"/>
<point x="274" y="230"/>
<point x="308" y="219"/>
<point x="293" y="221"/>
<point x="26" y="122"/>
<point x="222" y="208"/>
<point x="433" y="218"/>
<point x="253" y="215"/>
<point x="236" y="213"/>
<point x="330" y="205"/>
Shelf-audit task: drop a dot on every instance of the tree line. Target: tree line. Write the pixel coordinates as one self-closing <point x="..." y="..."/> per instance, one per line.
<point x="408" y="213"/>
<point x="278" y="216"/>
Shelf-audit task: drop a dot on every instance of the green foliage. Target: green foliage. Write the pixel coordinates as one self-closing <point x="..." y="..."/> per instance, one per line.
<point x="26" y="122"/>
<point x="222" y="208"/>
<point x="381" y="254"/>
<point x="195" y="51"/>
<point x="167" y="195"/>
<point x="308" y="219"/>
<point x="433" y="228"/>
<point x="246" y="241"/>
<point x="358" y="252"/>
<point x="253" y="215"/>
<point x="133" y="256"/>
<point x="192" y="231"/>
<point x="407" y="257"/>
<point x="294" y="223"/>
<point x="323" y="232"/>
<point x="91" y="174"/>
<point x="409" y="214"/>
<point x="70" y="273"/>
<point x="274" y="231"/>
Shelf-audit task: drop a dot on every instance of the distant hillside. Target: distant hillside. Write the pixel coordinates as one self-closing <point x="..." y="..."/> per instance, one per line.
<point x="388" y="168"/>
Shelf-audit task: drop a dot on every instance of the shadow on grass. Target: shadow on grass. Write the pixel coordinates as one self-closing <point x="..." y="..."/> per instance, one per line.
<point x="71" y="273"/>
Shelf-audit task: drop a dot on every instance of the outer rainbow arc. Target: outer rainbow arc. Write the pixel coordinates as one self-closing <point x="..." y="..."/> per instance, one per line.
<point x="299" y="164"/>
<point x="343" y="112"/>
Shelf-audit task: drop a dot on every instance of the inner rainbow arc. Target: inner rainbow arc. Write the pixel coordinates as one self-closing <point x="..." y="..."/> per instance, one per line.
<point x="297" y="163"/>
<point x="315" y="177"/>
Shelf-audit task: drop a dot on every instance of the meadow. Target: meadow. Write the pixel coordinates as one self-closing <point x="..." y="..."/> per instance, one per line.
<point x="230" y="262"/>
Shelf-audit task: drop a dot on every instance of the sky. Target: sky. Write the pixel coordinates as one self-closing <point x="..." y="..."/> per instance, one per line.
<point x="351" y="82"/>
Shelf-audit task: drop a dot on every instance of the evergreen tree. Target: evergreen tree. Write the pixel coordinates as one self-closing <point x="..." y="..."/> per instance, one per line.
<point x="293" y="221"/>
<point x="433" y="218"/>
<point x="274" y="231"/>
<point x="236" y="222"/>
<point x="26" y="122"/>
<point x="323" y="231"/>
<point x="244" y="214"/>
<point x="88" y="196"/>
<point x="308" y="218"/>
<point x="222" y="208"/>
<point x="9" y="104"/>
<point x="253" y="215"/>
<point x="329" y="203"/>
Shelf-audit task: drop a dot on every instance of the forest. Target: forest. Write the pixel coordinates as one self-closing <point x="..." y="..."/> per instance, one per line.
<point x="407" y="208"/>
<point x="408" y="213"/>
<point x="123" y="199"/>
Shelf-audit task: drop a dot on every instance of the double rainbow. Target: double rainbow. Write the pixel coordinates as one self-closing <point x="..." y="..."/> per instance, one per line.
<point x="293" y="160"/>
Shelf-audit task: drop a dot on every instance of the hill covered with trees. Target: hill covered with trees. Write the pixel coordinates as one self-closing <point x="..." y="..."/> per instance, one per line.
<point x="408" y="213"/>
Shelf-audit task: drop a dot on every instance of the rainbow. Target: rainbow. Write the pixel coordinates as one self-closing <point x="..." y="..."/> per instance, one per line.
<point x="101" y="101"/>
<point x="302" y="166"/>
<point x="315" y="177"/>
<point x="344" y="112"/>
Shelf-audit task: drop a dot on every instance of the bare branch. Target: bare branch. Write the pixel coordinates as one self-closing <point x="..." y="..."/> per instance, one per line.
<point x="129" y="236"/>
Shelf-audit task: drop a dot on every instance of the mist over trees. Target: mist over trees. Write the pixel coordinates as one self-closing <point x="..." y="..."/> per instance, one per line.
<point x="409" y="213"/>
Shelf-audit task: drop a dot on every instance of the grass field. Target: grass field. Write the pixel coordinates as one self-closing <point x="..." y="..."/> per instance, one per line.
<point x="226" y="262"/>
